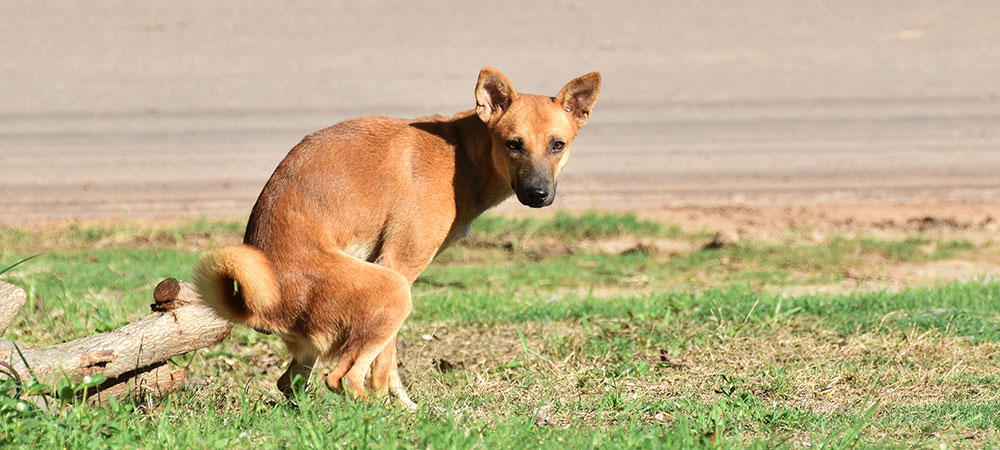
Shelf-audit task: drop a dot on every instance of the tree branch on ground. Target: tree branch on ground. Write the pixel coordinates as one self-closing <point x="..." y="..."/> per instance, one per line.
<point x="133" y="356"/>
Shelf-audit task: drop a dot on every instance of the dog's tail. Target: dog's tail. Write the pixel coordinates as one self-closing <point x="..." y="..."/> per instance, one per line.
<point x="254" y="296"/>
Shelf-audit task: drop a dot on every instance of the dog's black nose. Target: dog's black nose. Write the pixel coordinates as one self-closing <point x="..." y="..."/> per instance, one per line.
<point x="538" y="194"/>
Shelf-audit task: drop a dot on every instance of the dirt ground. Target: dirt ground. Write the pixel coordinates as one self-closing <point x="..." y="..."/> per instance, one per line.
<point x="977" y="221"/>
<point x="756" y="116"/>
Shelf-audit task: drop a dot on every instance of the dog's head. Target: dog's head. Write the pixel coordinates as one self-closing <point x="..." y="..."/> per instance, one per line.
<point x="532" y="134"/>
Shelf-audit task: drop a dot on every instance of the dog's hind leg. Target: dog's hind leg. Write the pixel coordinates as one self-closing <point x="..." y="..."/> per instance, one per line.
<point x="352" y="369"/>
<point x="374" y="302"/>
<point x="384" y="377"/>
<point x="378" y="378"/>
<point x="350" y="372"/>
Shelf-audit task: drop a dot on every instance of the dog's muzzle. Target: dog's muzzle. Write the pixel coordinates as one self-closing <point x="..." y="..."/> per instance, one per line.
<point x="536" y="196"/>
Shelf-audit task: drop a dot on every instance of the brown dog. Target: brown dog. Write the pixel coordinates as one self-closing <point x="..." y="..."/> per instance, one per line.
<point x="356" y="211"/>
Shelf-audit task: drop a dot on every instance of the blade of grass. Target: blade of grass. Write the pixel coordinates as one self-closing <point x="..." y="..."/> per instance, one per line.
<point x="8" y="268"/>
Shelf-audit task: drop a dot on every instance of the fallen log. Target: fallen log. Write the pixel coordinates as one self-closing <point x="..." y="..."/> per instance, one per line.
<point x="135" y="353"/>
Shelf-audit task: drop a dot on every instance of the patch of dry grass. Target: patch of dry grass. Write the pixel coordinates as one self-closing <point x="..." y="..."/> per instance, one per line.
<point x="605" y="372"/>
<point x="820" y="370"/>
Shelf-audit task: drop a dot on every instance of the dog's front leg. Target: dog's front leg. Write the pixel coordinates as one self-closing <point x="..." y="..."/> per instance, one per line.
<point x="296" y="377"/>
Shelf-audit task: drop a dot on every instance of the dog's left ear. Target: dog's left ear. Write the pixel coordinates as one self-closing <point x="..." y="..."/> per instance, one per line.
<point x="577" y="98"/>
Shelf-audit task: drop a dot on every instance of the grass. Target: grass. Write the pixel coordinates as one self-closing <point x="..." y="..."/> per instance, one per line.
<point x="572" y="331"/>
<point x="589" y="225"/>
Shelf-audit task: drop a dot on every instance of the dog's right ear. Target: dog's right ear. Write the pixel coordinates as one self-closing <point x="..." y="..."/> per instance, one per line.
<point x="577" y="98"/>
<point x="494" y="94"/>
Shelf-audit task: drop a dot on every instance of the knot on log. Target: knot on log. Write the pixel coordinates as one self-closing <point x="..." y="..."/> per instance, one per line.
<point x="171" y="294"/>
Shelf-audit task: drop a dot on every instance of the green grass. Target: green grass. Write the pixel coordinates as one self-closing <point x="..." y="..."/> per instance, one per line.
<point x="964" y="309"/>
<point x="186" y="420"/>
<point x="589" y="225"/>
<point x="916" y="248"/>
<point x="555" y="346"/>
<point x="184" y="233"/>
<point x="87" y="291"/>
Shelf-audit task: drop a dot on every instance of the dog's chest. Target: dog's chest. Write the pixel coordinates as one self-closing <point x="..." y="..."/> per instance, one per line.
<point x="457" y="232"/>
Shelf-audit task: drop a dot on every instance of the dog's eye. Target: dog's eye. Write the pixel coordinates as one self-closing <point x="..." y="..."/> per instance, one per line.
<point x="514" y="145"/>
<point x="558" y="146"/>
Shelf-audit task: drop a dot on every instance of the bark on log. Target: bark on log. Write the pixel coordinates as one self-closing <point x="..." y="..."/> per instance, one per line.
<point x="180" y="324"/>
<point x="156" y="379"/>
<point x="11" y="300"/>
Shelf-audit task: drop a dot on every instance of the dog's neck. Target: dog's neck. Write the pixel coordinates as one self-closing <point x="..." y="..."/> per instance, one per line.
<point x="478" y="185"/>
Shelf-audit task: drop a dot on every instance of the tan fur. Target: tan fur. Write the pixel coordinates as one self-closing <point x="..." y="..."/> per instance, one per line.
<point x="247" y="266"/>
<point x="356" y="211"/>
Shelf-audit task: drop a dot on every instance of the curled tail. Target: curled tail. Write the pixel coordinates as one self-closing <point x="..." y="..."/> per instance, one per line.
<point x="257" y="295"/>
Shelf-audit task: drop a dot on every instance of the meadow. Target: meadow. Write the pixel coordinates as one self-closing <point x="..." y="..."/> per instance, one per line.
<point x="574" y="330"/>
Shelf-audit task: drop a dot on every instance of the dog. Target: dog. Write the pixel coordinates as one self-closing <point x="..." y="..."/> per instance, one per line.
<point x="356" y="211"/>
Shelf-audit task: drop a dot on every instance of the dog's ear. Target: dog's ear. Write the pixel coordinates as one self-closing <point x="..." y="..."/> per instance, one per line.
<point x="577" y="98"/>
<point x="494" y="94"/>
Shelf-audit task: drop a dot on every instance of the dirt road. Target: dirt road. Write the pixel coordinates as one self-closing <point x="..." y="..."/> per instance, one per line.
<point x="164" y="108"/>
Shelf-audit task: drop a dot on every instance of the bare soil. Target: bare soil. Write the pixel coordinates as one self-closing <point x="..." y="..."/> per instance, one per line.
<point x="759" y="116"/>
<point x="968" y="219"/>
